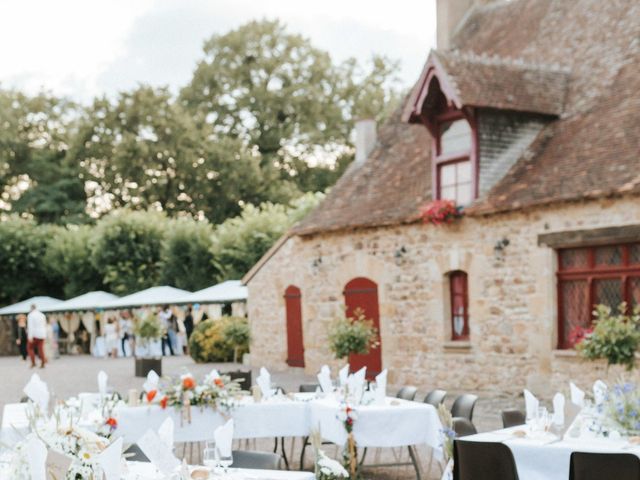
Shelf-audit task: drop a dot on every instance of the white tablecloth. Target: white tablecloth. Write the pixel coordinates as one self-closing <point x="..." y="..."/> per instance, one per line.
<point x="538" y="459"/>
<point x="278" y="417"/>
<point x="146" y="471"/>
<point x="15" y="423"/>
<point x="395" y="424"/>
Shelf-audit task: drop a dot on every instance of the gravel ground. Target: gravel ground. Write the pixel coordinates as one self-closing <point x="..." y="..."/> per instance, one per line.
<point x="70" y="375"/>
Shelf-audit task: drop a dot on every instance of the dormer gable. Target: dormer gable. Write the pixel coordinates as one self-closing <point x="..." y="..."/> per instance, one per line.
<point x="482" y="114"/>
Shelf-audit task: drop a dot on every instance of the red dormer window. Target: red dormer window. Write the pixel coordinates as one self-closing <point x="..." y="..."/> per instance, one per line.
<point x="454" y="168"/>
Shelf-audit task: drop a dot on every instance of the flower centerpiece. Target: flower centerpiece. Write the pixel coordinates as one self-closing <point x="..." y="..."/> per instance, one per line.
<point x="615" y="336"/>
<point x="325" y="468"/>
<point x="621" y="409"/>
<point x="347" y="415"/>
<point x="439" y="212"/>
<point x="447" y="435"/>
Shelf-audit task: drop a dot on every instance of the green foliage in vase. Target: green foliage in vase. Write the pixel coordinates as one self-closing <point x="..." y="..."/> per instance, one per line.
<point x="148" y="329"/>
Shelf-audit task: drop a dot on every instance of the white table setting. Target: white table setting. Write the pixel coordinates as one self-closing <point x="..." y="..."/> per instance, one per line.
<point x="542" y="448"/>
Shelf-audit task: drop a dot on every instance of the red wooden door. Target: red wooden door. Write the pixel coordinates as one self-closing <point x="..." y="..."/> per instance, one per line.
<point x="362" y="293"/>
<point x="295" y="345"/>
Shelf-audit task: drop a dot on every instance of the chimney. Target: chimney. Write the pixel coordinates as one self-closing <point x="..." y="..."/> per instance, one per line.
<point x="365" y="138"/>
<point x="449" y="15"/>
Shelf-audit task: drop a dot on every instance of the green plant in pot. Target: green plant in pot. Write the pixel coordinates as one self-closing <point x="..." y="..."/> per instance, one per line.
<point x="147" y="330"/>
<point x="353" y="335"/>
<point x="615" y="336"/>
<point x="222" y="339"/>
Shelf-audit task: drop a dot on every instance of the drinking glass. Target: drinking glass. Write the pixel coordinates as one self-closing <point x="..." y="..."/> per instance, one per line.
<point x="225" y="461"/>
<point x="210" y="458"/>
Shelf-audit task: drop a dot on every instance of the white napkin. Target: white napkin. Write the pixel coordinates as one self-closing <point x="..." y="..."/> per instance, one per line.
<point x="381" y="387"/>
<point x="224" y="438"/>
<point x="264" y="382"/>
<point x="531" y="404"/>
<point x="36" y="457"/>
<point x="110" y="460"/>
<point x="102" y="383"/>
<point x="324" y="379"/>
<point x="558" y="409"/>
<point x="356" y="384"/>
<point x="577" y="395"/>
<point x="165" y="432"/>
<point x="600" y="390"/>
<point x="38" y="392"/>
<point x="152" y="382"/>
<point x="158" y="453"/>
<point x="344" y="375"/>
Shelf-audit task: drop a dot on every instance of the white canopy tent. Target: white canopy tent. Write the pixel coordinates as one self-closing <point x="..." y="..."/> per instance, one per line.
<point x="87" y="301"/>
<point x="163" y="295"/>
<point x="43" y="303"/>
<point x="225" y="292"/>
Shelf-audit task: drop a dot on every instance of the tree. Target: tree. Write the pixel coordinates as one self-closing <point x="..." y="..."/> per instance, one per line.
<point x="23" y="245"/>
<point x="145" y="151"/>
<point x="126" y="249"/>
<point x="69" y="255"/>
<point x="280" y="94"/>
<point x="187" y="259"/>
<point x="36" y="177"/>
<point x="240" y="241"/>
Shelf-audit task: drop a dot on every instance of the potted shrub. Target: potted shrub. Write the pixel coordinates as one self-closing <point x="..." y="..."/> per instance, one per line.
<point x="147" y="330"/>
<point x="219" y="340"/>
<point x="615" y="336"/>
<point x="352" y="335"/>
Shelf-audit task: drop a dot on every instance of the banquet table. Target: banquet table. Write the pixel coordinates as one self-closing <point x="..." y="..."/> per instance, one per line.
<point x="548" y="458"/>
<point x="146" y="471"/>
<point x="396" y="423"/>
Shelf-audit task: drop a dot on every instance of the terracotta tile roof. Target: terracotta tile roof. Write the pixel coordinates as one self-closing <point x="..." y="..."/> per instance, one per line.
<point x="506" y="84"/>
<point x="592" y="150"/>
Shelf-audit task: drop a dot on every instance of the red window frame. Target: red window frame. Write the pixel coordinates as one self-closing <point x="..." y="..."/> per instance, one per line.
<point x="440" y="159"/>
<point x="627" y="271"/>
<point x="459" y="294"/>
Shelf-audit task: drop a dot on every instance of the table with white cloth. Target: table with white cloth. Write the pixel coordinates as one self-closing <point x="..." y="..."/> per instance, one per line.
<point x="146" y="471"/>
<point x="396" y="423"/>
<point x="276" y="417"/>
<point x="548" y="458"/>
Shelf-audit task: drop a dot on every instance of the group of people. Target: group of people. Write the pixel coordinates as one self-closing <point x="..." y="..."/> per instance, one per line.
<point x="119" y="333"/>
<point x="36" y="336"/>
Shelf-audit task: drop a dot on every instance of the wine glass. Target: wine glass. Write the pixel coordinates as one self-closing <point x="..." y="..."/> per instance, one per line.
<point x="210" y="458"/>
<point x="225" y="459"/>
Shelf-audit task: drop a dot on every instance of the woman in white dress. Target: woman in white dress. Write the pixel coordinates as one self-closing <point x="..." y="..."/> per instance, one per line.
<point x="111" y="337"/>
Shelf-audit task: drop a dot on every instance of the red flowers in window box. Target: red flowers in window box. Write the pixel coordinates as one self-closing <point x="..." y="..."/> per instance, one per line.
<point x="441" y="212"/>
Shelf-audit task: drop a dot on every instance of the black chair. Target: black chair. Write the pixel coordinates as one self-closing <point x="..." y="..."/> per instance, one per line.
<point x="512" y="418"/>
<point x="244" y="378"/>
<point x="407" y="392"/>
<point x="308" y="387"/>
<point x="463" y="406"/>
<point x="598" y="466"/>
<point x="435" y="397"/>
<point x="463" y="427"/>
<point x="483" y="461"/>
<point x="256" y="460"/>
<point x="134" y="454"/>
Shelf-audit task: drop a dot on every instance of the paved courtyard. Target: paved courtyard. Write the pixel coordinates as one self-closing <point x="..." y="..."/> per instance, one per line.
<point x="72" y="374"/>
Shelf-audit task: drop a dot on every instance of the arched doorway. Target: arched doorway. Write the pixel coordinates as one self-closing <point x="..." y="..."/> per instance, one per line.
<point x="295" y="345"/>
<point x="362" y="293"/>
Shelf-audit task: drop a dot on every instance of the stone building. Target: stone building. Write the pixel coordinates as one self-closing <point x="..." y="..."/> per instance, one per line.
<point x="528" y="115"/>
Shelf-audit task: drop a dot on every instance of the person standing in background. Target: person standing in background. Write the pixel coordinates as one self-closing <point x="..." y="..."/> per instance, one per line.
<point x="21" y="336"/>
<point x="36" y="334"/>
<point x="111" y="337"/>
<point x="165" y="320"/>
<point x="126" y="332"/>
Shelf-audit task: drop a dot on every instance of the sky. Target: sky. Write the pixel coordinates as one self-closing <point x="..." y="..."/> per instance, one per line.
<point x="84" y="48"/>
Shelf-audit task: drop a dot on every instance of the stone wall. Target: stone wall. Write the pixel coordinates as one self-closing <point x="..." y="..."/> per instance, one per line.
<point x="512" y="295"/>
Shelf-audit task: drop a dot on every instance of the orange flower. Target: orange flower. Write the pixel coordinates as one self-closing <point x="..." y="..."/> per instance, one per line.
<point x="112" y="422"/>
<point x="163" y="402"/>
<point x="151" y="395"/>
<point x="219" y="382"/>
<point x="188" y="383"/>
